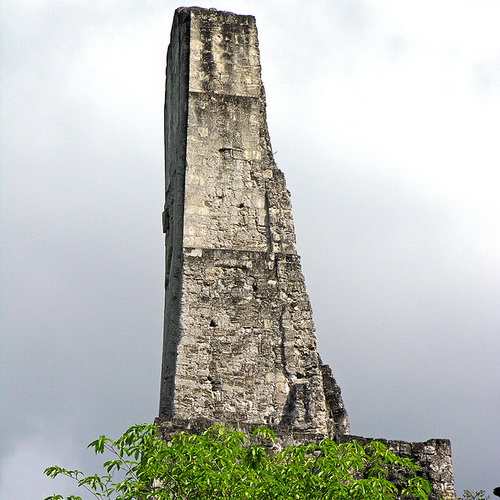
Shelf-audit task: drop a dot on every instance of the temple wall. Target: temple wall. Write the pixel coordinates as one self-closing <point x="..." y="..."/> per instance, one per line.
<point x="239" y="338"/>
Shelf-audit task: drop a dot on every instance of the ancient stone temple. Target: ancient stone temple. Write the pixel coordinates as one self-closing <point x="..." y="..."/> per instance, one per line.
<point x="239" y="339"/>
<point x="240" y="343"/>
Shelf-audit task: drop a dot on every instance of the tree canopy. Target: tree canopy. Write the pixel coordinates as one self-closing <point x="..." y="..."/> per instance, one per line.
<point x="223" y="463"/>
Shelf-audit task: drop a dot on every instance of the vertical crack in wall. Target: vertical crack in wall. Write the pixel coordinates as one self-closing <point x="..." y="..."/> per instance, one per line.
<point x="267" y="222"/>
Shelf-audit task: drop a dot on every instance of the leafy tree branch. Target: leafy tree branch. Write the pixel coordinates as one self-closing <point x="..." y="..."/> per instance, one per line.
<point x="223" y="463"/>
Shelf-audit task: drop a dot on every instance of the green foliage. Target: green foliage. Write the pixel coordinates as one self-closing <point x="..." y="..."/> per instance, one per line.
<point x="474" y="495"/>
<point x="223" y="463"/>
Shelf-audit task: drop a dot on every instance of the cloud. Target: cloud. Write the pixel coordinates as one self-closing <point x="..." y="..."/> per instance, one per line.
<point x="23" y="464"/>
<point x="384" y="116"/>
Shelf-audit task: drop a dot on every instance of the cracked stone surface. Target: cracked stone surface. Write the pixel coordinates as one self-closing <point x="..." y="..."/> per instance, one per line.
<point x="239" y="338"/>
<point x="240" y="343"/>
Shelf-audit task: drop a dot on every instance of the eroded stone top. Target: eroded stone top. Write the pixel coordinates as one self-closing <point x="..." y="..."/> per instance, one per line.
<point x="224" y="53"/>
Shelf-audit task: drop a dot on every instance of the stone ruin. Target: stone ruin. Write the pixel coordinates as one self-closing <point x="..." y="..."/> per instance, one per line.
<point x="239" y="339"/>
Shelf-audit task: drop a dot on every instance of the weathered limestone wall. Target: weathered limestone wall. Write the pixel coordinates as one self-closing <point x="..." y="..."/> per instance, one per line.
<point x="433" y="456"/>
<point x="239" y="341"/>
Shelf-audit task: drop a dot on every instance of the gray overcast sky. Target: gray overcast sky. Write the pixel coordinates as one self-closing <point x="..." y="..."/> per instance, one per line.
<point x="385" y="115"/>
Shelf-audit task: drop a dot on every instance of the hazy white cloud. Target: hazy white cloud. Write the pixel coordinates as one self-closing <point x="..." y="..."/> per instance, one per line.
<point x="385" y="118"/>
<point x="23" y="463"/>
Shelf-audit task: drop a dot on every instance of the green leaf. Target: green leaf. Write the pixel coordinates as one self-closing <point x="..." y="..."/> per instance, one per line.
<point x="265" y="432"/>
<point x="99" y="444"/>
